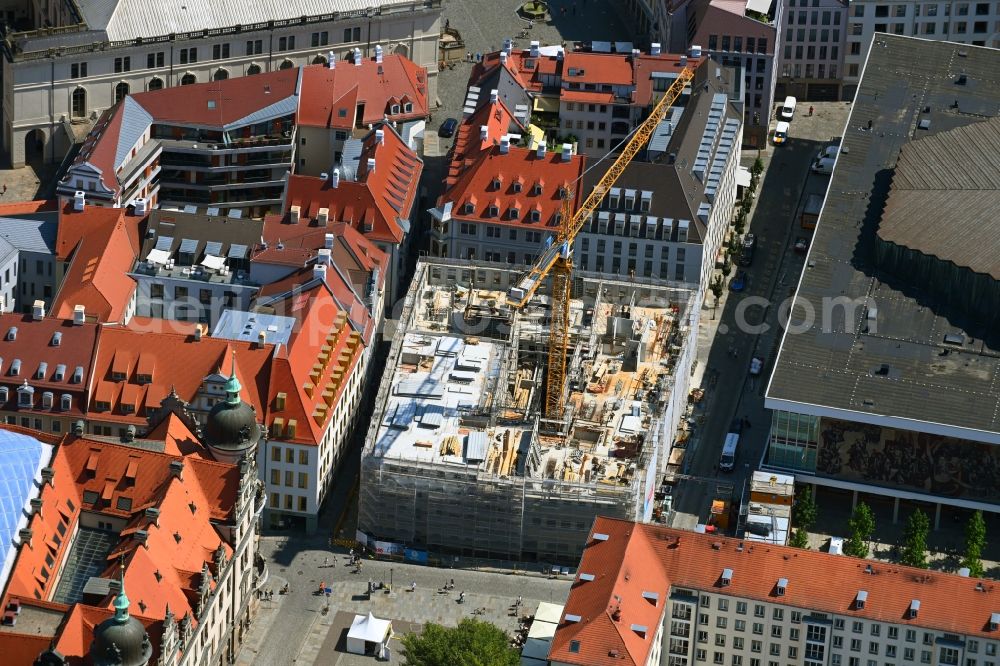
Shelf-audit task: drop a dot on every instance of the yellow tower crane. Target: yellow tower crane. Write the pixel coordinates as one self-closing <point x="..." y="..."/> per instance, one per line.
<point x="556" y="261"/>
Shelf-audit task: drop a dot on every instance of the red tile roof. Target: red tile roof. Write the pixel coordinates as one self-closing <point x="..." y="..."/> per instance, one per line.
<point x="35" y="343"/>
<point x="637" y="558"/>
<point x="101" y="246"/>
<point x="313" y="370"/>
<point x="598" y="68"/>
<point x="131" y="350"/>
<point x="234" y="99"/>
<point x="330" y="97"/>
<point x="374" y="203"/>
<point x="522" y="168"/>
<point x="78" y="632"/>
<point x="26" y="207"/>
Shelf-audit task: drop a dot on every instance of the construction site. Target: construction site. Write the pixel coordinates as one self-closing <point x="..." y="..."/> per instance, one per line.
<point x="462" y="456"/>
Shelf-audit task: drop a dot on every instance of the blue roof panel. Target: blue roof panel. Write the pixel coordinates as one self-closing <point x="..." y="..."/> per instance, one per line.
<point x="21" y="460"/>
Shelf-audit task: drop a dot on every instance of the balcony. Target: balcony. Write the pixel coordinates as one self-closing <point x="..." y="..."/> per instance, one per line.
<point x="195" y="273"/>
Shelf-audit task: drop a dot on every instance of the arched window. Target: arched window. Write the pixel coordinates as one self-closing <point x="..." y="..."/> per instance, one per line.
<point x="155" y="83"/>
<point x="287" y="64"/>
<point x="319" y="60"/>
<point x="121" y="90"/>
<point x="220" y="75"/>
<point x="253" y="69"/>
<point x="79" y="103"/>
<point x="188" y="79"/>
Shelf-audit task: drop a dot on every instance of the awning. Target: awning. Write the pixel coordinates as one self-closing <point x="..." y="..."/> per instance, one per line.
<point x="213" y="247"/>
<point x="213" y="262"/>
<point x="743" y="177"/>
<point x="158" y="257"/>
<point x="164" y="242"/>
<point x="369" y="628"/>
<point x="237" y="251"/>
<point x="189" y="245"/>
<point x="535" y="136"/>
<point x="759" y="6"/>
<point x="546" y="104"/>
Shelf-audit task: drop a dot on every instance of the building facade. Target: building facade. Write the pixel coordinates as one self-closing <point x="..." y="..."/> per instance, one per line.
<point x="812" y="54"/>
<point x="74" y="61"/>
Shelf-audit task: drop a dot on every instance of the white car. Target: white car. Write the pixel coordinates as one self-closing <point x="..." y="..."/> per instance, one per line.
<point x="829" y="151"/>
<point x="780" y="133"/>
<point x="823" y="165"/>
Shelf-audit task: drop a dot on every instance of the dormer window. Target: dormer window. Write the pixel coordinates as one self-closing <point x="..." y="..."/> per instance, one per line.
<point x="492" y="211"/>
<point x="496" y="183"/>
<point x="65" y="402"/>
<point x="537" y="190"/>
<point x="117" y="376"/>
<point x="513" y="213"/>
<point x="517" y="186"/>
<point x="60" y="373"/>
<point x="15" y="367"/>
<point x="25" y="396"/>
<point x="470" y="208"/>
<point x="4" y="394"/>
<point x="78" y="374"/>
<point x="613" y="201"/>
<point x="536" y="216"/>
<point x="394" y="109"/>
<point x="43" y="369"/>
<point x="408" y="107"/>
<point x="102" y="405"/>
<point x="144" y="379"/>
<point x="127" y="408"/>
<point x="47" y="399"/>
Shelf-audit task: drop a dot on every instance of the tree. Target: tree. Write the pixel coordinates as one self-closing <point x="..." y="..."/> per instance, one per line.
<point x="975" y="543"/>
<point x="804" y="512"/>
<point x="472" y="642"/>
<point x="757" y="168"/>
<point x="915" y="540"/>
<point x="715" y="286"/>
<point x="800" y="538"/>
<point x="862" y="526"/>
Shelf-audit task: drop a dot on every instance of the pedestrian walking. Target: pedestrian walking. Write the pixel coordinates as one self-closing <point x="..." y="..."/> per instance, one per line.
<point x="810" y="110"/>
<point x="326" y="561"/>
<point x="447" y="24"/>
<point x="468" y="56"/>
<point x="5" y="188"/>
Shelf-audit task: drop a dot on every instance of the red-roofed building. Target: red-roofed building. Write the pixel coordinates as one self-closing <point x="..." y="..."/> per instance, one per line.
<point x="136" y="528"/>
<point x="700" y="598"/>
<point x="96" y="248"/>
<point x="347" y="99"/>
<point x="228" y="145"/>
<point x="376" y="198"/>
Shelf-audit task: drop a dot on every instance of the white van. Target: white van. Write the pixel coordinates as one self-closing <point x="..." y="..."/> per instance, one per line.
<point x="787" y="109"/>
<point x="836" y="546"/>
<point x="824" y="165"/>
<point x="780" y="133"/>
<point x="728" y="459"/>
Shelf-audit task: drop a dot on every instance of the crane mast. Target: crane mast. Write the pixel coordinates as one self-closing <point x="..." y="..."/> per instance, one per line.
<point x="556" y="260"/>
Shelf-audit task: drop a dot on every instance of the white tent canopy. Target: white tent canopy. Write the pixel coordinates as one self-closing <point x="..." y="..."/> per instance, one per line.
<point x="213" y="262"/>
<point x="158" y="256"/>
<point x="368" y="629"/>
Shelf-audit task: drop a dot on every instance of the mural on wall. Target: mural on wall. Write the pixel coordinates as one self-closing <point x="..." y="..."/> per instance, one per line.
<point x="926" y="463"/>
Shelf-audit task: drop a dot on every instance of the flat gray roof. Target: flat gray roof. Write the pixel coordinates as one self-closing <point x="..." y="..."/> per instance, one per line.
<point x="887" y="362"/>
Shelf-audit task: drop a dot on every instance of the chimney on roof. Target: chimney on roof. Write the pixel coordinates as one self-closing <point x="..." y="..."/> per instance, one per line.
<point x="494" y="94"/>
<point x="261" y="339"/>
<point x="567" y="152"/>
<point x="197" y="333"/>
<point x="141" y="536"/>
<point x="534" y="48"/>
<point x="540" y="152"/>
<point x="357" y="57"/>
<point x="503" y="58"/>
<point x="79" y="200"/>
<point x="695" y="51"/>
<point x="331" y="60"/>
<point x="684" y="61"/>
<point x="505" y="144"/>
<point x="24" y="534"/>
<point x="139" y="207"/>
<point x="324" y="257"/>
<point x="38" y="310"/>
<point x="654" y="48"/>
<point x="322" y="217"/>
<point x="560" y="54"/>
<point x="319" y="272"/>
<point x="635" y="53"/>
<point x="328" y="241"/>
<point x="508" y="46"/>
<point x="36" y="505"/>
<point x="378" y="53"/>
<point x="294" y="213"/>
<point x="177" y="468"/>
<point x="484" y="132"/>
<point x="78" y="427"/>
<point x="153" y="514"/>
<point x="323" y="176"/>
<point x="79" y="315"/>
<point x="334" y="179"/>
<point x="371" y="165"/>
<point x="380" y="137"/>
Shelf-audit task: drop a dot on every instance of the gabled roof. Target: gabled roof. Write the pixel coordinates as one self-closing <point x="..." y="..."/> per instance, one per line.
<point x="230" y="103"/>
<point x="331" y="96"/>
<point x="628" y="559"/>
<point x="378" y="203"/>
<point x="101" y="246"/>
<point x="130" y="352"/>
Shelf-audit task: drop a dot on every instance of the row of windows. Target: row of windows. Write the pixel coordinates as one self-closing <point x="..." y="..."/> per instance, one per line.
<point x="189" y="55"/>
<point x="810" y="53"/>
<point x="291" y="503"/>
<point x="813" y="18"/>
<point x="727" y="43"/>
<point x="289" y="454"/>
<point x="824" y="35"/>
<point x="303" y="479"/>
<point x="928" y="9"/>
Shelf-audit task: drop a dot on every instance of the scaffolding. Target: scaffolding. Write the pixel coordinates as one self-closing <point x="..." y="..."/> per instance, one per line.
<point x="534" y="494"/>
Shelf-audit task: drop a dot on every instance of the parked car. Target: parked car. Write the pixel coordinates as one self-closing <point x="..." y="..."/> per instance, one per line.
<point x="780" y="133"/>
<point x="801" y="245"/>
<point x="448" y="127"/>
<point x="749" y="246"/>
<point x="823" y="165"/>
<point x="756" y="365"/>
<point x="830" y="151"/>
<point x="739" y="283"/>
<point x="787" y="110"/>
